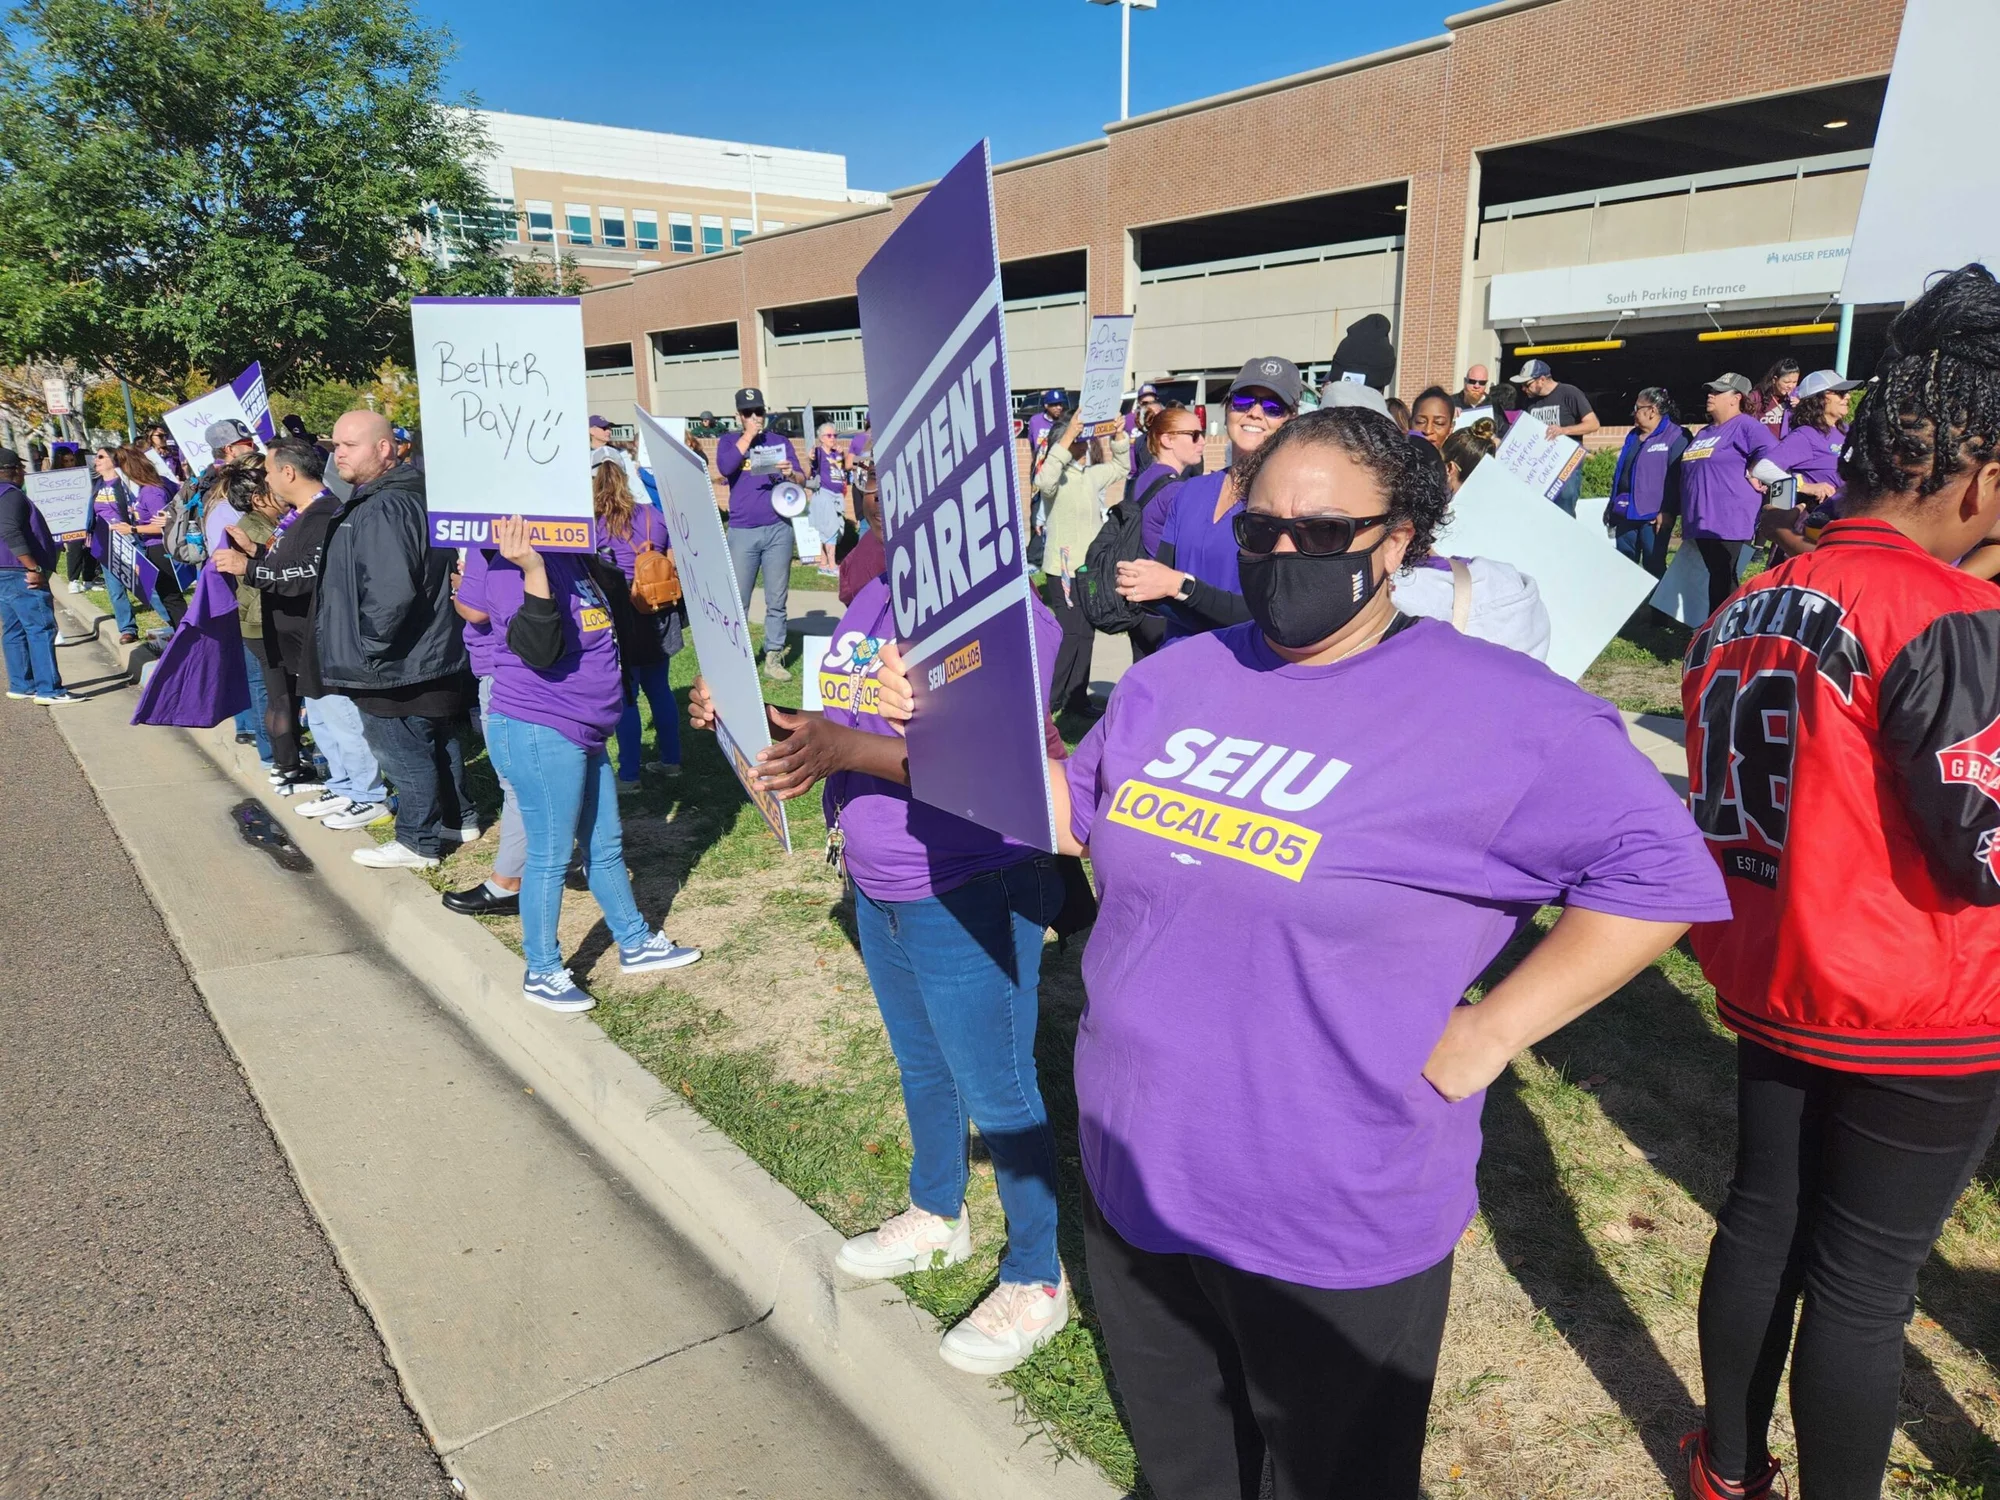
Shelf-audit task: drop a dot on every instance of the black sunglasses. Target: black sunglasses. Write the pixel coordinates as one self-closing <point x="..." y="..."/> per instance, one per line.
<point x="1315" y="536"/>
<point x="1271" y="405"/>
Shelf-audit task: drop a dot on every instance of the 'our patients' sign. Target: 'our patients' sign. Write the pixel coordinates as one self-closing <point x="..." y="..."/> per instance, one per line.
<point x="506" y="416"/>
<point x="936" y="353"/>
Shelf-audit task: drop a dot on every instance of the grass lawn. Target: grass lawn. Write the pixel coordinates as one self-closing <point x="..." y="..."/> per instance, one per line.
<point x="1570" y="1364"/>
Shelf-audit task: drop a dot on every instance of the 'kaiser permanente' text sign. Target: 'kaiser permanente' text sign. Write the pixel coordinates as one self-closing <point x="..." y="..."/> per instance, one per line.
<point x="506" y="417"/>
<point x="63" y="498"/>
<point x="722" y="642"/>
<point x="936" y="357"/>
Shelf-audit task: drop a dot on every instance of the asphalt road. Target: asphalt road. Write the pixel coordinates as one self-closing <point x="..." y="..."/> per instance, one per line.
<point x="172" y="1321"/>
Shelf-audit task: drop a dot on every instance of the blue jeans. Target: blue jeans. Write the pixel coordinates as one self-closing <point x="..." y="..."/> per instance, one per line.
<point x="768" y="548"/>
<point x="666" y="722"/>
<point x="567" y="795"/>
<point x="351" y="771"/>
<point x="511" y="858"/>
<point x="121" y="604"/>
<point x="28" y="634"/>
<point x="425" y="763"/>
<point x="251" y="720"/>
<point x="1645" y="542"/>
<point x="956" y="977"/>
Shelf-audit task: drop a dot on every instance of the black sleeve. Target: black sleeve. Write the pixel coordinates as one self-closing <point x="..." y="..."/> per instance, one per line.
<point x="291" y="564"/>
<point x="1214" y="608"/>
<point x="1939" y="716"/>
<point x="535" y="634"/>
<point x="15" y="530"/>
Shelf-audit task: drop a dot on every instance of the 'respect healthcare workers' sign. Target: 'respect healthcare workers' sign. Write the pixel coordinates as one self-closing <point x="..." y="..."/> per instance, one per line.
<point x="722" y="642"/>
<point x="63" y="498"/>
<point x="936" y="359"/>
<point x="506" y="416"/>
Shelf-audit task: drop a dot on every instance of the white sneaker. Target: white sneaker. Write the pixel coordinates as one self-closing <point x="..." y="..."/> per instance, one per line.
<point x="78" y="586"/>
<point x="323" y="806"/>
<point x="915" y="1240"/>
<point x="393" y="856"/>
<point x="1015" y="1320"/>
<point x="469" y="834"/>
<point x="358" y="815"/>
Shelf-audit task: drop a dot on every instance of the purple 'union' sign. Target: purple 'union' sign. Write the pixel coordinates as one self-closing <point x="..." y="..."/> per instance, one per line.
<point x="936" y="354"/>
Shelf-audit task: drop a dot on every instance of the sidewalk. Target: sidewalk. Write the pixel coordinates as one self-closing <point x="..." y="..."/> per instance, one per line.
<point x="573" y="1272"/>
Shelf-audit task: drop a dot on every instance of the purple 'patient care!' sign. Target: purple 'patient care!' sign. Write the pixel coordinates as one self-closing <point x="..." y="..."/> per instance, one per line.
<point x="936" y="356"/>
<point x="506" y="417"/>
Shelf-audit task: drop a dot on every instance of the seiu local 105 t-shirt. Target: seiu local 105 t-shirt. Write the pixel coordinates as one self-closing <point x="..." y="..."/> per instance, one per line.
<point x="582" y="695"/>
<point x="897" y="848"/>
<point x="1301" y="869"/>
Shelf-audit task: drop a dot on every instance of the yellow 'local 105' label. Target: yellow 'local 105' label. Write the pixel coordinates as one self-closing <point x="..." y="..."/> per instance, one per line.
<point x="1252" y="838"/>
<point x="836" y="690"/>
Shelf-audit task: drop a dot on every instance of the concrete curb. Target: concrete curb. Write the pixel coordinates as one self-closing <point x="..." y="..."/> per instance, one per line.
<point x="872" y="1350"/>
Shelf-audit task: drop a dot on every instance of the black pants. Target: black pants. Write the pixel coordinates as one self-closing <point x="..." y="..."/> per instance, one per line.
<point x="1220" y="1368"/>
<point x="169" y="584"/>
<point x="281" y="713"/>
<point x="1072" y="684"/>
<point x="423" y="759"/>
<point x="1720" y="558"/>
<point x="1843" y="1181"/>
<point x="79" y="564"/>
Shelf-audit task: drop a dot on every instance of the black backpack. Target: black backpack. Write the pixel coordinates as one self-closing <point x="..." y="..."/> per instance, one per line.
<point x="1117" y="540"/>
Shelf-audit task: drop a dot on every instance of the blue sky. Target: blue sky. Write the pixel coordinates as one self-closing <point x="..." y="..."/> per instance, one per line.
<point x="900" y="87"/>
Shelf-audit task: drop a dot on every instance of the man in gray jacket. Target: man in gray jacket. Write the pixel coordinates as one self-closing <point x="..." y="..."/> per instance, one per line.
<point x="386" y="636"/>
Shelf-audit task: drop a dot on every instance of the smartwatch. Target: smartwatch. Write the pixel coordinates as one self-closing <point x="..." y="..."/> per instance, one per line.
<point x="1185" y="593"/>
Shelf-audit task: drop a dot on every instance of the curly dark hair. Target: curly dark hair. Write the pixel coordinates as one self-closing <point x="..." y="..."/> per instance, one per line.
<point x="1409" y="470"/>
<point x="239" y="482"/>
<point x="1933" y="408"/>
<point x="1662" y="401"/>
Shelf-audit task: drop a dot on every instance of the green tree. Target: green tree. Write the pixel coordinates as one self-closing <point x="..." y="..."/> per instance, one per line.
<point x="534" y="277"/>
<point x="207" y="182"/>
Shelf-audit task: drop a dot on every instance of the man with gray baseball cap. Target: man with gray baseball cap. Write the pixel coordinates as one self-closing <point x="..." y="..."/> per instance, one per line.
<point x="227" y="440"/>
<point x="1564" y="410"/>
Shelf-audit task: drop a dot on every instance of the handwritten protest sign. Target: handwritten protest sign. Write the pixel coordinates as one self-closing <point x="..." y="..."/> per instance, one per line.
<point x="715" y="613"/>
<point x="1588" y="587"/>
<point x="1539" y="461"/>
<point x="506" y="414"/>
<point x="63" y="498"/>
<point x="936" y="353"/>
<point x="190" y="423"/>
<point x="1104" y="360"/>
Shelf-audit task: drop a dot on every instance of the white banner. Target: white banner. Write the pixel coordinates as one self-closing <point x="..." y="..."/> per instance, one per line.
<point x="63" y="498"/>
<point x="1589" y="589"/>
<point x="188" y="424"/>
<point x="1921" y="211"/>
<point x="1674" y="283"/>
<point x="55" y="396"/>
<point x="506" y="417"/>
<point x="721" y="630"/>
<point x="1104" y="359"/>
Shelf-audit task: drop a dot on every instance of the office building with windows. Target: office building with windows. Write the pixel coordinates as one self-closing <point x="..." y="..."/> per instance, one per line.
<point x="1651" y="210"/>
<point x="620" y="201"/>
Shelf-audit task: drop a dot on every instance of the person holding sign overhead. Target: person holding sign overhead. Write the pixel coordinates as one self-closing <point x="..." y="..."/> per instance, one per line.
<point x="760" y="540"/>
<point x="558" y="692"/>
<point x="1278" y="1090"/>
<point x="951" y="919"/>
<point x="1070" y="485"/>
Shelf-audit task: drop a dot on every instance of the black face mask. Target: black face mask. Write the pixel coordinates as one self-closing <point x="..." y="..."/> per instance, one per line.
<point x="1298" y="601"/>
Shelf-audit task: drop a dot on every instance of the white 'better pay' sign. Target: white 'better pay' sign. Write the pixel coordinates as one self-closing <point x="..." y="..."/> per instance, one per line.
<point x="505" y="414"/>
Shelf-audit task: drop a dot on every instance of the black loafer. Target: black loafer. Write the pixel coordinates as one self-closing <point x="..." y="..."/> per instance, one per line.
<point x="483" y="901"/>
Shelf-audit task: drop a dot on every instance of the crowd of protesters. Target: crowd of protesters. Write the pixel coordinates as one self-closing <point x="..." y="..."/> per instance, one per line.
<point x="1273" y="1190"/>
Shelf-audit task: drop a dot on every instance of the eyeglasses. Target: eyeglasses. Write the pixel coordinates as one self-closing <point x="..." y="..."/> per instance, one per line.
<point x="1186" y="432"/>
<point x="1315" y="536"/>
<point x="1271" y="406"/>
<point x="1470" y="383"/>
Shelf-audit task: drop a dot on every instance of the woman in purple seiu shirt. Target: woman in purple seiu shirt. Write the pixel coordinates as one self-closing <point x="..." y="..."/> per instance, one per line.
<point x="951" y="919"/>
<point x="558" y="690"/>
<point x="1279" y="1090"/>
<point x="627" y="527"/>
<point x="133" y="500"/>
<point x="1646" y="485"/>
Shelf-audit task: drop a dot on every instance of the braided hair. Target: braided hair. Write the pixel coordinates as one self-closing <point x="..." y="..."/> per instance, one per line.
<point x="1408" y="469"/>
<point x="1933" y="408"/>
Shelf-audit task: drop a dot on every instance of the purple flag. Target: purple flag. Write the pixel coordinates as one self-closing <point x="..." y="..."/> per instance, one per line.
<point x="936" y="352"/>
<point x="249" y="388"/>
<point x="203" y="678"/>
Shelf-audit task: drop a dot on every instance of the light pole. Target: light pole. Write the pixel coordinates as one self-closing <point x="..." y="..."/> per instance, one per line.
<point x="750" y="160"/>
<point x="1126" y="7"/>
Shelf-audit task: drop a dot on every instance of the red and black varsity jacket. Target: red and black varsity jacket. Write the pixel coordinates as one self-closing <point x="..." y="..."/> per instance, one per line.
<point x="1843" y="741"/>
